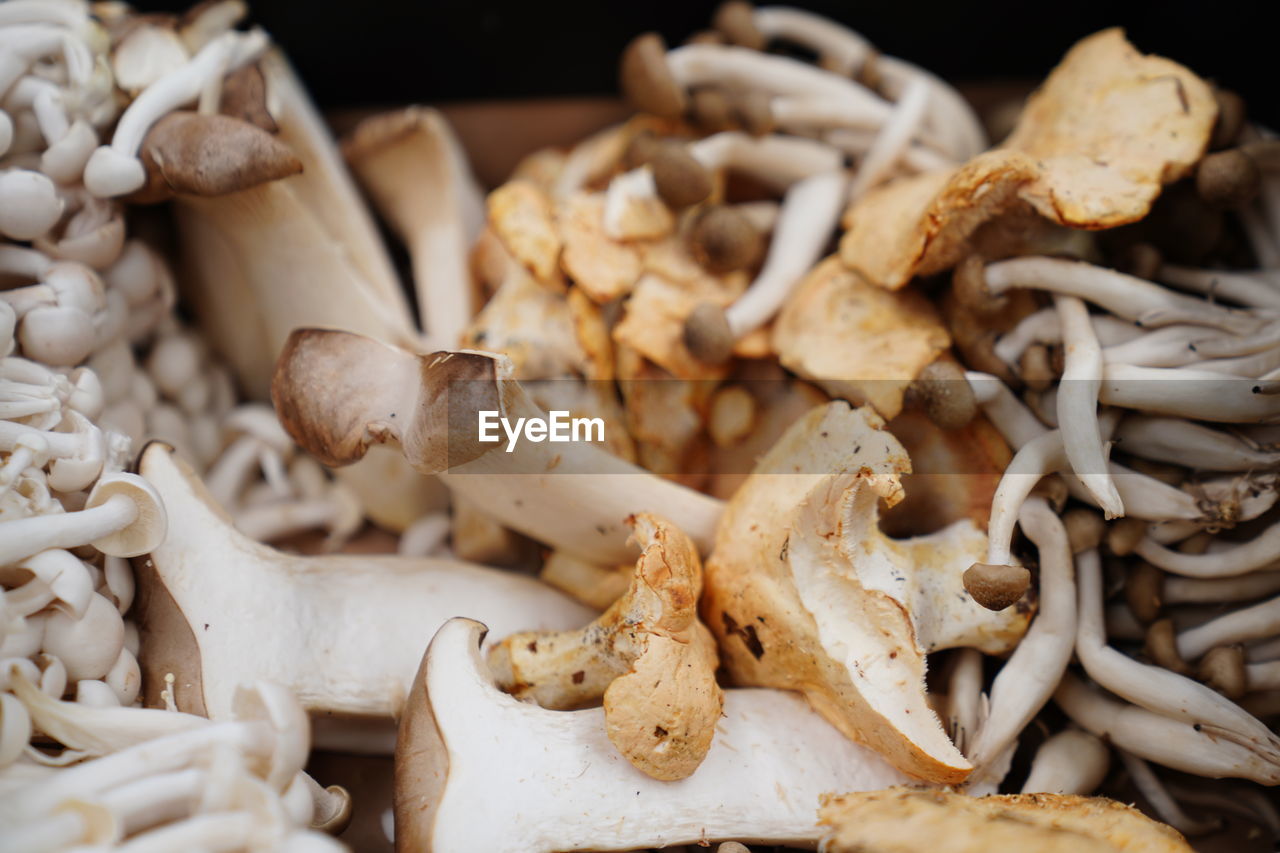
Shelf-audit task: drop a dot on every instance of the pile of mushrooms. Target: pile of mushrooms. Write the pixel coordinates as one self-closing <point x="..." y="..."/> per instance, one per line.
<point x="935" y="490"/>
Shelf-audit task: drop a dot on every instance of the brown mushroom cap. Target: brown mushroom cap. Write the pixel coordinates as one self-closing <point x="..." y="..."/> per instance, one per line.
<point x="1036" y="368"/>
<point x="735" y="20"/>
<point x="969" y="283"/>
<point x="722" y="239"/>
<point x="680" y="180"/>
<point x="1228" y="178"/>
<point x="1143" y="591"/>
<point x="1123" y="535"/>
<point x="945" y="394"/>
<point x="712" y="110"/>
<point x="186" y="153"/>
<point x="1161" y="647"/>
<point x="707" y="335"/>
<point x="244" y="96"/>
<point x="996" y="587"/>
<point x="1085" y="529"/>
<point x="1223" y="669"/>
<point x="1231" y="115"/>
<point x="646" y="80"/>
<point x="755" y="112"/>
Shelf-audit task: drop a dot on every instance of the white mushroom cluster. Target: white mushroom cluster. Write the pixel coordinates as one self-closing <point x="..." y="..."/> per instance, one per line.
<point x="935" y="487"/>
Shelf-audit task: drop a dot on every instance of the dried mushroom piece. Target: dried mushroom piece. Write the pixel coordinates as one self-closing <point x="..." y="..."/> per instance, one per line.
<point x="855" y="340"/>
<point x="523" y="216"/>
<point x="604" y="268"/>
<point x="1092" y="150"/>
<point x="647" y="656"/>
<point x="900" y="820"/>
<point x="805" y="592"/>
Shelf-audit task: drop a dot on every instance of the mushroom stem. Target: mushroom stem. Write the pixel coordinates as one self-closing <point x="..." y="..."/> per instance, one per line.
<point x="1259" y="552"/>
<point x="1123" y="295"/>
<point x="121" y="500"/>
<point x="964" y="698"/>
<point x="1028" y="678"/>
<point x="892" y="140"/>
<point x="1017" y="423"/>
<point x="1165" y="806"/>
<point x="1078" y="405"/>
<point x="809" y="212"/>
<point x="1070" y="762"/>
<point x="560" y="784"/>
<point x="1179" y="441"/>
<point x="1172" y="743"/>
<point x="1251" y="289"/>
<point x="1155" y="688"/>
<point x="1034" y="460"/>
<point x="1188" y="393"/>
<point x="1248" y="623"/>
<point x="1176" y="590"/>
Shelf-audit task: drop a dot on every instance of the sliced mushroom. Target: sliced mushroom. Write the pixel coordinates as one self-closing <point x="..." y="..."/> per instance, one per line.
<point x="797" y="554"/>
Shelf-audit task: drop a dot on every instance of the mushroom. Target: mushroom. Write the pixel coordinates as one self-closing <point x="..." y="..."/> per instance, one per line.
<point x="795" y="555"/>
<point x="1153" y="687"/>
<point x="552" y="781"/>
<point x="414" y="167"/>
<point x="1164" y="740"/>
<point x="123" y="517"/>
<point x="651" y="632"/>
<point x="29" y="204"/>
<point x="1028" y="678"/>
<point x="1070" y="762"/>
<point x="857" y="341"/>
<point x="574" y="496"/>
<point x="901" y="818"/>
<point x="1078" y="405"/>
<point x="198" y="623"/>
<point x="115" y="170"/>
<point x="809" y="212"/>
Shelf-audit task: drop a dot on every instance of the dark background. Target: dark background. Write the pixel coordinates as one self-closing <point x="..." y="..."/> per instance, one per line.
<point x="378" y="52"/>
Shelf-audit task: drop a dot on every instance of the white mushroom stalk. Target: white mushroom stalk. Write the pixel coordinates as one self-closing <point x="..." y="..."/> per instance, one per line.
<point x="1078" y="405"/>
<point x="1017" y="423"/>
<point x="1256" y="622"/>
<point x="1189" y="393"/>
<point x="114" y="169"/>
<point x="1155" y="737"/>
<point x="950" y="118"/>
<point x="1251" y="289"/>
<point x="1028" y="679"/>
<point x="1070" y="762"/>
<point x="1259" y="552"/>
<point x="1178" y="441"/>
<point x="894" y="138"/>
<point x="1153" y="687"/>
<point x="1161" y="801"/>
<point x="210" y="618"/>
<point x="551" y="780"/>
<point x="1126" y="296"/>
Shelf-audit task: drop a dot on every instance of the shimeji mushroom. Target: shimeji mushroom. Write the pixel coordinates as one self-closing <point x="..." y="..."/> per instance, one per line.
<point x="1070" y="762"/>
<point x="1161" y="801"/>
<point x="550" y="780"/>
<point x="1028" y="678"/>
<point x="648" y="657"/>
<point x="123" y="516"/>
<point x="414" y="167"/>
<point x="161" y="768"/>
<point x="901" y="819"/>
<point x="799" y="549"/>
<point x="845" y="52"/>
<point x="114" y="169"/>
<point x="199" y="623"/>
<point x="338" y="393"/>
<point x="29" y="204"/>
<point x="1178" y="441"/>
<point x="1153" y="687"/>
<point x="1078" y="405"/>
<point x="1164" y="740"/>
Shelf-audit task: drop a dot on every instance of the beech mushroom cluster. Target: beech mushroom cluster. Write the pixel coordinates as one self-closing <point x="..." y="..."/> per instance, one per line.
<point x="926" y="489"/>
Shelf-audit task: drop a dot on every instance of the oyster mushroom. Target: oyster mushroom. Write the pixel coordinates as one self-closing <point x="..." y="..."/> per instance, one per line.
<point x="572" y="496"/>
<point x="198" y="623"/>
<point x="415" y="169"/>
<point x="799" y="549"/>
<point x="651" y="632"/>
<point x="551" y="781"/>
